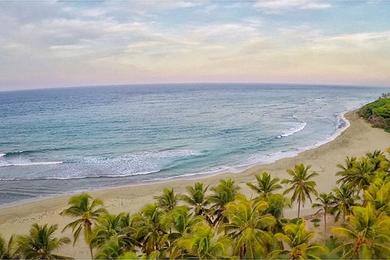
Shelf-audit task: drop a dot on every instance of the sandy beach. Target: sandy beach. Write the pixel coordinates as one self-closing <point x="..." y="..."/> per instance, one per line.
<point x="356" y="140"/>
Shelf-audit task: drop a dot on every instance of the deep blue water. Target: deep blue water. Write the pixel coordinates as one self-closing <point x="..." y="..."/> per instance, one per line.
<point x="60" y="140"/>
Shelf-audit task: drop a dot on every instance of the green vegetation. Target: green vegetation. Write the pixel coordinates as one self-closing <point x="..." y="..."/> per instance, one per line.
<point x="351" y="222"/>
<point x="301" y="184"/>
<point x="378" y="112"/>
<point x="40" y="243"/>
<point x="86" y="211"/>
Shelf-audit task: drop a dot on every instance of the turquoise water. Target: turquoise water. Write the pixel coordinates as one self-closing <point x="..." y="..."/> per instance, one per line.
<point x="63" y="140"/>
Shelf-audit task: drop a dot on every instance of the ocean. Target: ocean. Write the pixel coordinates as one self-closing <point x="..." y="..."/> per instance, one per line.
<point x="56" y="141"/>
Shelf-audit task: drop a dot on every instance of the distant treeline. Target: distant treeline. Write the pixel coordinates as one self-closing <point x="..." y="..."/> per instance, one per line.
<point x="378" y="112"/>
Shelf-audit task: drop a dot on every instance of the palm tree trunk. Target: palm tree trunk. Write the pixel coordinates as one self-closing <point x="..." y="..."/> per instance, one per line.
<point x="91" y="250"/>
<point x="87" y="236"/>
<point x="299" y="208"/>
<point x="325" y="224"/>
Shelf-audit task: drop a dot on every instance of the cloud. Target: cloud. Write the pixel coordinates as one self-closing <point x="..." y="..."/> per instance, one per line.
<point x="275" y="6"/>
<point x="142" y="41"/>
<point x="353" y="42"/>
<point x="361" y="37"/>
<point x="227" y="33"/>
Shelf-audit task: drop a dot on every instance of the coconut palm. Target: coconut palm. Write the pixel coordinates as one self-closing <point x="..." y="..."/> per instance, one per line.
<point x="265" y="185"/>
<point x="111" y="227"/>
<point x="379" y="160"/>
<point x="41" y="243"/>
<point x="151" y="229"/>
<point x="325" y="205"/>
<point x="8" y="249"/>
<point x="197" y="199"/>
<point x="359" y="176"/>
<point x="248" y="226"/>
<point x="223" y="193"/>
<point x="366" y="234"/>
<point x="111" y="249"/>
<point x="167" y="200"/>
<point x="299" y="242"/>
<point x="344" y="199"/>
<point x="204" y="243"/>
<point x="349" y="164"/>
<point x="378" y="194"/>
<point x="301" y="184"/>
<point x="180" y="222"/>
<point x="133" y="256"/>
<point x="86" y="210"/>
<point x="276" y="204"/>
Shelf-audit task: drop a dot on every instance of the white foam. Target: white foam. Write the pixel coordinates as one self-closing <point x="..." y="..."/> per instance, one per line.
<point x="149" y="162"/>
<point x="8" y="164"/>
<point x="77" y="177"/>
<point x="125" y="165"/>
<point x="294" y="130"/>
<point x="2" y="154"/>
<point x="270" y="158"/>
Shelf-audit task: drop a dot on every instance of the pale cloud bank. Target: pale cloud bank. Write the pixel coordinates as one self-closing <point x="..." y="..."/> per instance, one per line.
<point x="281" y="5"/>
<point x="49" y="44"/>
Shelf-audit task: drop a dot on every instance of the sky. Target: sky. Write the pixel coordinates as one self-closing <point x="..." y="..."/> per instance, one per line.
<point x="60" y="43"/>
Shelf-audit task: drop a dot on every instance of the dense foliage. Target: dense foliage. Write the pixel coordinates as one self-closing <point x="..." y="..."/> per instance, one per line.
<point x="221" y="222"/>
<point x="378" y="112"/>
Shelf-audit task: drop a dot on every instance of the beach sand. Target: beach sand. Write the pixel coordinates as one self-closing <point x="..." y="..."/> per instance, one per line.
<point x="356" y="140"/>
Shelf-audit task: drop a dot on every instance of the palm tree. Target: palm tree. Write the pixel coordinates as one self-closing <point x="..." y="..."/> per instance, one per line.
<point x="247" y="226"/>
<point x="180" y="222"/>
<point x="265" y="185"/>
<point x="168" y="200"/>
<point x="114" y="227"/>
<point x="378" y="194"/>
<point x="204" y="243"/>
<point x="299" y="241"/>
<point x="276" y="204"/>
<point x="379" y="160"/>
<point x="359" y="176"/>
<point x="365" y="235"/>
<point x="197" y="199"/>
<point x="223" y="193"/>
<point x="133" y="256"/>
<point x="86" y="210"/>
<point x="375" y="154"/>
<point x="111" y="249"/>
<point x="41" y="243"/>
<point x="344" y="199"/>
<point x="8" y="250"/>
<point x="325" y="204"/>
<point x="349" y="164"/>
<point x="301" y="184"/>
<point x="381" y="166"/>
<point x="151" y="229"/>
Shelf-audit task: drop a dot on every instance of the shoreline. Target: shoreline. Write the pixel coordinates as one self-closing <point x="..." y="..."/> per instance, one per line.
<point x="194" y="176"/>
<point x="200" y="175"/>
<point x="355" y="140"/>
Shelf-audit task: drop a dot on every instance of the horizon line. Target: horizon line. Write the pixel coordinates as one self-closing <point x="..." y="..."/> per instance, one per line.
<point x="198" y="83"/>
